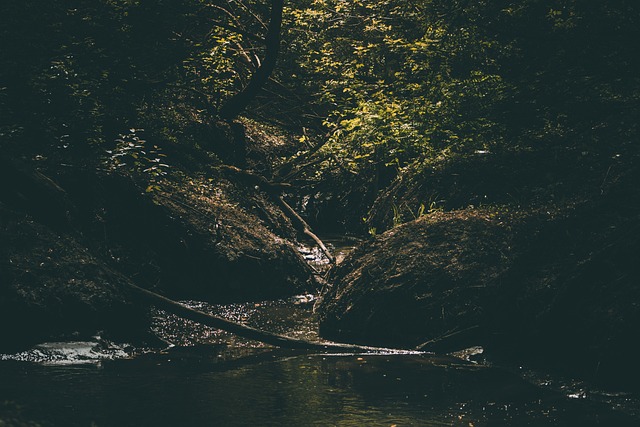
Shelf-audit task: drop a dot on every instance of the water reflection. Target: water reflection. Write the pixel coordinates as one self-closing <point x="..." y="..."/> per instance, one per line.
<point x="282" y="388"/>
<point x="71" y="352"/>
<point x="211" y="378"/>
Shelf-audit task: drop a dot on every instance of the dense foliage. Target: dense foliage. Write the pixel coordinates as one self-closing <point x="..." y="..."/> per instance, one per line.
<point x="76" y="75"/>
<point x="509" y="126"/>
<point x="406" y="87"/>
<point x="403" y="82"/>
<point x="396" y="85"/>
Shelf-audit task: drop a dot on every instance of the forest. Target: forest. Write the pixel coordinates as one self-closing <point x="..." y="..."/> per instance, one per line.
<point x="481" y="159"/>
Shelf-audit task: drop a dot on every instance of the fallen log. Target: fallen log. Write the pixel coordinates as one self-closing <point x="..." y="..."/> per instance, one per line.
<point x="183" y="311"/>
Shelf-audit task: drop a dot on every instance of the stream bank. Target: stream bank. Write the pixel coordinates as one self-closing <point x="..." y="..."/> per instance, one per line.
<point x="73" y="237"/>
<point x="551" y="280"/>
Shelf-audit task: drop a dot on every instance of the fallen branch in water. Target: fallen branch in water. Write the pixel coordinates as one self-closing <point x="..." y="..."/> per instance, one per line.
<point x="255" y="334"/>
<point x="302" y="225"/>
<point x="275" y="190"/>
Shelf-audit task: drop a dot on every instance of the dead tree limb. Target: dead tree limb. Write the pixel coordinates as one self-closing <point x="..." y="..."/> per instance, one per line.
<point x="255" y="334"/>
<point x="256" y="180"/>
<point x="302" y="161"/>
<point x="302" y="225"/>
<point x="452" y="340"/>
<point x="275" y="190"/>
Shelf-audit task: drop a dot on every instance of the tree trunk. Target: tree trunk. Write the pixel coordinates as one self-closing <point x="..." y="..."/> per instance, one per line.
<point x="237" y="103"/>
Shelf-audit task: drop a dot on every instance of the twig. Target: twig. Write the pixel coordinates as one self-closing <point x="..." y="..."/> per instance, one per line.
<point x="446" y="342"/>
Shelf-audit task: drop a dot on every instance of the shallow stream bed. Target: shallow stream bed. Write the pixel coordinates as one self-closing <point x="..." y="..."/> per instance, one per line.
<point x="212" y="378"/>
<point x="231" y="381"/>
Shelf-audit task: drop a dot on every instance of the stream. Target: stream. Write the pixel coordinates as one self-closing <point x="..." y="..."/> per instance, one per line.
<point x="212" y="378"/>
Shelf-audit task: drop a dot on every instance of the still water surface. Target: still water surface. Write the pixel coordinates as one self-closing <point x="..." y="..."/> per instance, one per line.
<point x="234" y="382"/>
<point x="281" y="390"/>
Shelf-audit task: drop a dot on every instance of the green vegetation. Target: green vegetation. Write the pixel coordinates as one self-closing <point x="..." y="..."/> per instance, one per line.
<point x="123" y="122"/>
<point x="410" y="87"/>
<point x="76" y="75"/>
<point x="396" y="84"/>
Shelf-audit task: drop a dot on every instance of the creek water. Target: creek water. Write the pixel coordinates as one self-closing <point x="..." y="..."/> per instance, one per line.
<point x="211" y="378"/>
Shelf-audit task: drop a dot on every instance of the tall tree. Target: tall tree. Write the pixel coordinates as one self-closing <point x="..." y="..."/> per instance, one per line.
<point x="237" y="103"/>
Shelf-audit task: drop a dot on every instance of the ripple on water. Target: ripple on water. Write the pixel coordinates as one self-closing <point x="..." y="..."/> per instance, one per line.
<point x="71" y="352"/>
<point x="281" y="317"/>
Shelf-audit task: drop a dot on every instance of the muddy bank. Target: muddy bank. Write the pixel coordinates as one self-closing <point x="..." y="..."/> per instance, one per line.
<point x="52" y="286"/>
<point x="419" y="280"/>
<point x="72" y="237"/>
<point x="556" y="285"/>
<point x="525" y="180"/>
<point x="196" y="236"/>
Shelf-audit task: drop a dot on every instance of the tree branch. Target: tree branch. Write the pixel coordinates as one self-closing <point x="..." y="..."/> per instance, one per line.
<point x="248" y="332"/>
<point x="275" y="190"/>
